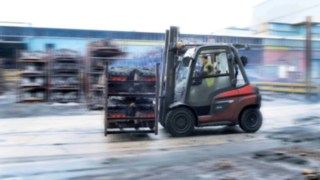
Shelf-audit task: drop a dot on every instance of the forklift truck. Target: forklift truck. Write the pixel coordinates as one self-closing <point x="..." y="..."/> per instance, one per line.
<point x="185" y="98"/>
<point x="189" y="99"/>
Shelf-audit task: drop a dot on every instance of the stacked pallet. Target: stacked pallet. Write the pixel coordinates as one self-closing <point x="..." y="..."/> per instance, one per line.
<point x="64" y="76"/>
<point x="33" y="83"/>
<point x="130" y="100"/>
<point x="98" y="53"/>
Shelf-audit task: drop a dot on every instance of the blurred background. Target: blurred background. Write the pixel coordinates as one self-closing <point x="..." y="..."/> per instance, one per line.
<point x="284" y="42"/>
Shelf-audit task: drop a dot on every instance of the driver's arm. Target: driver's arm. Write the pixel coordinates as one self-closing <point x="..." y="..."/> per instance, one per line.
<point x="208" y="70"/>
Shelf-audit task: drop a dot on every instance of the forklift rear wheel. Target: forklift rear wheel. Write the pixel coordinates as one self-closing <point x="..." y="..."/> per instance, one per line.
<point x="180" y="122"/>
<point x="251" y="120"/>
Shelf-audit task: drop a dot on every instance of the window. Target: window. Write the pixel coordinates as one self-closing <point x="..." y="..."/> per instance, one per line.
<point x="240" y="81"/>
<point x="239" y="76"/>
<point x="212" y="62"/>
<point x="211" y="74"/>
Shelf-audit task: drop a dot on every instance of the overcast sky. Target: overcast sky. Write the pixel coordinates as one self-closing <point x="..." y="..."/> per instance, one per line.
<point x="192" y="16"/>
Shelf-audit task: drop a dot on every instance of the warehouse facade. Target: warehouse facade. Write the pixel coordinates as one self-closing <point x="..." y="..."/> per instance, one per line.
<point x="271" y="58"/>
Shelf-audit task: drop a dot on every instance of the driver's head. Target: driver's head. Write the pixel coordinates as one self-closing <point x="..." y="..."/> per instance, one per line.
<point x="204" y="59"/>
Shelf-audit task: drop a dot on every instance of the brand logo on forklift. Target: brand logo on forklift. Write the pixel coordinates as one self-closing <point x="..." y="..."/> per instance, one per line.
<point x="226" y="101"/>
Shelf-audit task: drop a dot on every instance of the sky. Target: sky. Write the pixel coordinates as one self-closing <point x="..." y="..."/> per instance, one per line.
<point x="192" y="16"/>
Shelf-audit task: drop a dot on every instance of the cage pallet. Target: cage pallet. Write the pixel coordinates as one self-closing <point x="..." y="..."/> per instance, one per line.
<point x="97" y="54"/>
<point x="33" y="85"/>
<point x="122" y="114"/>
<point x="65" y="77"/>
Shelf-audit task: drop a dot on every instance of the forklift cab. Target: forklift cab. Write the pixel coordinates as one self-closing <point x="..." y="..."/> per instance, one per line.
<point x="222" y="97"/>
<point x="195" y="88"/>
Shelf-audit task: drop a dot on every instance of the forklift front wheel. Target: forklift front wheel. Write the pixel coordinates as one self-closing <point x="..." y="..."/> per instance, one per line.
<point x="251" y="120"/>
<point x="180" y="122"/>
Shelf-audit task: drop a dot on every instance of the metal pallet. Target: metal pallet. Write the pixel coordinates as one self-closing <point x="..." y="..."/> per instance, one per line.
<point x="38" y="61"/>
<point x="94" y="89"/>
<point x="98" y="53"/>
<point x="63" y="67"/>
<point x="109" y="122"/>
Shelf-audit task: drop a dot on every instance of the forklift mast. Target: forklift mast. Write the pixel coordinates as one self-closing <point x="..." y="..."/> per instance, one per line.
<point x="167" y="81"/>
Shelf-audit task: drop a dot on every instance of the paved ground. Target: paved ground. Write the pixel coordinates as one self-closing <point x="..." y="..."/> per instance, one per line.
<point x="10" y="109"/>
<point x="55" y="146"/>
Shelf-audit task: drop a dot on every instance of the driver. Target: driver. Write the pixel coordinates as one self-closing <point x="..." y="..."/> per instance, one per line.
<point x="207" y="67"/>
<point x="207" y="70"/>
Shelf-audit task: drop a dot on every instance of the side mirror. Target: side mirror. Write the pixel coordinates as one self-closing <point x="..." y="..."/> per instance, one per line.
<point x="186" y="61"/>
<point x="244" y="60"/>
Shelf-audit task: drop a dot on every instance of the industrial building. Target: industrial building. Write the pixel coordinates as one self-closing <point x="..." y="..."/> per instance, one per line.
<point x="138" y="45"/>
<point x="276" y="53"/>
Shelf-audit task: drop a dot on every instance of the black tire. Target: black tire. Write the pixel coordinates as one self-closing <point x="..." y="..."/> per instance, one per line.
<point x="180" y="122"/>
<point x="251" y="120"/>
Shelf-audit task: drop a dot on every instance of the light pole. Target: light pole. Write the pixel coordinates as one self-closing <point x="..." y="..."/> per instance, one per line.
<point x="308" y="55"/>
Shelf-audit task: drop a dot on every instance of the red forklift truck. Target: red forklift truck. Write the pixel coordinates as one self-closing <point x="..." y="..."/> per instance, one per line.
<point x="189" y="99"/>
<point x="185" y="98"/>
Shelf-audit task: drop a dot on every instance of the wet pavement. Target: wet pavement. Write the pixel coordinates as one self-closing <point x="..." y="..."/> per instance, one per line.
<point x="10" y="109"/>
<point x="55" y="146"/>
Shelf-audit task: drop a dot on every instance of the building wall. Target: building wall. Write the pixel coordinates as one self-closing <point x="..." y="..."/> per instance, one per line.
<point x="39" y="44"/>
<point x="270" y="59"/>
